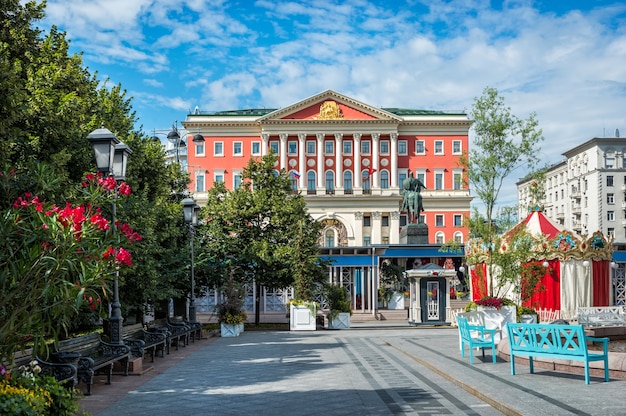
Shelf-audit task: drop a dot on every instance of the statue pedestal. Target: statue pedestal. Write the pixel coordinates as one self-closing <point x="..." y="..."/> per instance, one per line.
<point x="414" y="234"/>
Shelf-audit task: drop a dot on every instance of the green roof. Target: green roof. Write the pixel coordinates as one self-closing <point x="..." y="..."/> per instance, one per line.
<point x="417" y="112"/>
<point x="258" y="112"/>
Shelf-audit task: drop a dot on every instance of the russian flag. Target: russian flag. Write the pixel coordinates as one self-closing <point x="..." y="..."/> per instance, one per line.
<point x="295" y="174"/>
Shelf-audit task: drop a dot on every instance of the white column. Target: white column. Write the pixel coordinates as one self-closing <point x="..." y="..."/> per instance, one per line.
<point x="301" y="160"/>
<point x="283" y="151"/>
<point x="375" y="147"/>
<point x="394" y="160"/>
<point x="394" y="234"/>
<point x="338" y="161"/>
<point x="357" y="161"/>
<point x="265" y="144"/>
<point x="320" y="160"/>
<point x="376" y="227"/>
<point x="358" y="228"/>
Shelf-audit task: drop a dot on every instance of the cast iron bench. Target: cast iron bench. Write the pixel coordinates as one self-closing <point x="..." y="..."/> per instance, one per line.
<point x="601" y="316"/>
<point x="195" y="328"/>
<point x="94" y="355"/>
<point x="139" y="340"/>
<point x="65" y="373"/>
<point x="476" y="336"/>
<point x="566" y="342"/>
<point x="176" y="334"/>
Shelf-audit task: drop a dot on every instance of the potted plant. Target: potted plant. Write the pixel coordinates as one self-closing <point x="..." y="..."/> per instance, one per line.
<point x="339" y="310"/>
<point x="230" y="313"/>
<point x="527" y="315"/>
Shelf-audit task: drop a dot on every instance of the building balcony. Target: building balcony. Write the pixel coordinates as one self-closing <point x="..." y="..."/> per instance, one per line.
<point x="576" y="209"/>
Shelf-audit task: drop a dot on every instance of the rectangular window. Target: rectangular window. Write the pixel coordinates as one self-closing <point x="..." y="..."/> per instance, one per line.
<point x="609" y="162"/>
<point x="610" y="232"/>
<point x="439" y="181"/>
<point x="256" y="148"/>
<point x="219" y="177"/>
<point x="199" y="182"/>
<point x="384" y="147"/>
<point x="236" y="180"/>
<point x="199" y="149"/>
<point x="438" y="147"/>
<point x="402" y="148"/>
<point x="458" y="220"/>
<point x="456" y="147"/>
<point x="367" y="221"/>
<point x="402" y="175"/>
<point x="218" y="149"/>
<point x="458" y="180"/>
<point x="610" y="215"/>
<point x="347" y="147"/>
<point x="385" y="221"/>
<point x="329" y="147"/>
<point x="421" y="176"/>
<point x="310" y="147"/>
<point x="609" y="180"/>
<point x="384" y="180"/>
<point x="610" y="199"/>
<point x="292" y="148"/>
<point x="365" y="147"/>
<point x="420" y="149"/>
<point x="237" y="149"/>
<point x="367" y="241"/>
<point x="439" y="220"/>
<point x="402" y="220"/>
<point x="274" y="147"/>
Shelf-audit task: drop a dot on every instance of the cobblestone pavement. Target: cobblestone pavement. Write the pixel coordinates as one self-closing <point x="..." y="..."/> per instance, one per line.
<point x="360" y="371"/>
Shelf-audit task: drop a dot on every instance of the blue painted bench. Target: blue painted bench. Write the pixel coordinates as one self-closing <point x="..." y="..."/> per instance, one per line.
<point x="476" y="336"/>
<point x="566" y="342"/>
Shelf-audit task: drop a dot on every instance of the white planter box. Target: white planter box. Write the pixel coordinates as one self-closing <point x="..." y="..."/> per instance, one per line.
<point x="396" y="301"/>
<point x="342" y="321"/>
<point x="301" y="318"/>
<point x="528" y="319"/>
<point x="230" y="330"/>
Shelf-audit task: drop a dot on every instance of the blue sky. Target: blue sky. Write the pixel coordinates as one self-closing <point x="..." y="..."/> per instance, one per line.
<point x="564" y="60"/>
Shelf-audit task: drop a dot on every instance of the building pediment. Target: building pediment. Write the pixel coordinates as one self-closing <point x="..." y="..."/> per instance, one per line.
<point x="329" y="106"/>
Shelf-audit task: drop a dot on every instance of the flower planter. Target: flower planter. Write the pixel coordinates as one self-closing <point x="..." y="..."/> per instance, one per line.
<point x="342" y="321"/>
<point x="396" y="301"/>
<point x="528" y="319"/>
<point x="231" y="330"/>
<point x="301" y="318"/>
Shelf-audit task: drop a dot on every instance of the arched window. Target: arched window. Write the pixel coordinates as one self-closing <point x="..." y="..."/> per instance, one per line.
<point x="439" y="238"/>
<point x="310" y="182"/>
<point x="347" y="182"/>
<point x="384" y="179"/>
<point x="458" y="237"/>
<point x="367" y="182"/>
<point x="329" y="238"/>
<point x="330" y="182"/>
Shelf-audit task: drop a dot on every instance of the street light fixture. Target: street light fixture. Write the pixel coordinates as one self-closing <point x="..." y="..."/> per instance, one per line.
<point x="190" y="215"/>
<point x="174" y="136"/>
<point x="111" y="158"/>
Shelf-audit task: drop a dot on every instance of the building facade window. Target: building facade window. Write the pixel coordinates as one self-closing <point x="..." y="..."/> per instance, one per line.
<point x="274" y="147"/>
<point x="438" y="180"/>
<point x="329" y="147"/>
<point x="347" y="147"/>
<point x="402" y="148"/>
<point x="458" y="220"/>
<point x="610" y="199"/>
<point x="330" y="182"/>
<point x="609" y="180"/>
<point x="329" y="237"/>
<point x="456" y="147"/>
<point x="420" y="148"/>
<point x="367" y="221"/>
<point x="385" y="221"/>
<point x="365" y="147"/>
<point x="610" y="215"/>
<point x="367" y="241"/>
<point x="256" y="148"/>
<point x="236" y="180"/>
<point x="218" y="176"/>
<point x="310" y="182"/>
<point x="310" y="147"/>
<point x="457" y="180"/>
<point x="458" y="237"/>
<point x="292" y="148"/>
<point x="439" y="238"/>
<point x="384" y="179"/>
<point x="438" y="147"/>
<point x="347" y="182"/>
<point x="439" y="220"/>
<point x="384" y="147"/>
<point x="199" y="149"/>
<point x="218" y="149"/>
<point x="200" y="182"/>
<point x="237" y="149"/>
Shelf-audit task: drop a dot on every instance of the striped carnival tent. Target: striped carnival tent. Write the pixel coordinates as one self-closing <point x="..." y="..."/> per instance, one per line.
<point x="577" y="268"/>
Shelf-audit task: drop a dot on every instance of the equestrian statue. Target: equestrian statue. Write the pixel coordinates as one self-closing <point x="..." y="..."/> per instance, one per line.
<point x="412" y="198"/>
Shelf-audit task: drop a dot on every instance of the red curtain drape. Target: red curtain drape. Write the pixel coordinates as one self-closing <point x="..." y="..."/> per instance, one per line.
<point x="548" y="291"/>
<point x="601" y="282"/>
<point x="479" y="281"/>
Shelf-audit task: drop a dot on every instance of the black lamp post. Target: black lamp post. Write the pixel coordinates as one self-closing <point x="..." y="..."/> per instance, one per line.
<point x="178" y="141"/>
<point x="190" y="215"/>
<point x="111" y="158"/>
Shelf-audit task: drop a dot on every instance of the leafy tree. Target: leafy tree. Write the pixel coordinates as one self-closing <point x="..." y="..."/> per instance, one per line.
<point x="261" y="231"/>
<point x="502" y="143"/>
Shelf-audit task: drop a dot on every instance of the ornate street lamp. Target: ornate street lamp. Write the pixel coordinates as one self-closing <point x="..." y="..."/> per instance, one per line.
<point x="190" y="215"/>
<point x="174" y="136"/>
<point x="111" y="158"/>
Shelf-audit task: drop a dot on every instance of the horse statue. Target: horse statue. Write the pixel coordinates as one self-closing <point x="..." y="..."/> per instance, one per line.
<point x="412" y="198"/>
